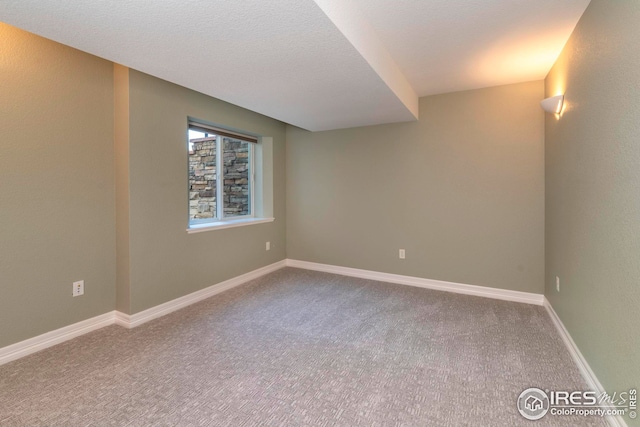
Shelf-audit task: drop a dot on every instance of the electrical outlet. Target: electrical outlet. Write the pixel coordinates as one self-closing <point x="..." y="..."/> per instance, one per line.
<point x="557" y="284"/>
<point x="401" y="254"/>
<point x="268" y="246"/>
<point x="78" y="288"/>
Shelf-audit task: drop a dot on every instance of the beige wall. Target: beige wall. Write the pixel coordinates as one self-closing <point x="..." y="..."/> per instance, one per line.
<point x="57" y="210"/>
<point x="73" y="129"/>
<point x="121" y="147"/>
<point x="462" y="190"/>
<point x="593" y="191"/>
<point x="165" y="261"/>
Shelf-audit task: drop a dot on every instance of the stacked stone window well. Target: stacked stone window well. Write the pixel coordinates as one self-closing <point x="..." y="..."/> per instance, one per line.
<point x="203" y="176"/>
<point x="236" y="177"/>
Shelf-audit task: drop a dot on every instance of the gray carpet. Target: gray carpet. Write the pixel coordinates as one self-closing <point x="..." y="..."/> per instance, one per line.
<point x="301" y="348"/>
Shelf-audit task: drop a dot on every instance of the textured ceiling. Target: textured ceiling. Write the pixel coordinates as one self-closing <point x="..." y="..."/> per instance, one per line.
<point x="322" y="64"/>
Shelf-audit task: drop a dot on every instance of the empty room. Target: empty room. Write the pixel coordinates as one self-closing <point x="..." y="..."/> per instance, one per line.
<point x="319" y="213"/>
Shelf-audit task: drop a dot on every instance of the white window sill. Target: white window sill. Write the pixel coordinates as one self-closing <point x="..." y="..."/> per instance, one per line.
<point x="231" y="223"/>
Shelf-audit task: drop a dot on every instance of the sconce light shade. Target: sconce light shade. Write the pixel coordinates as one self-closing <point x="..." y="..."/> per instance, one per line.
<point x="553" y="105"/>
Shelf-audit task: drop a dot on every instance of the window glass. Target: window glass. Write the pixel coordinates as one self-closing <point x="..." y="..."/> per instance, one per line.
<point x="202" y="176"/>
<point x="220" y="175"/>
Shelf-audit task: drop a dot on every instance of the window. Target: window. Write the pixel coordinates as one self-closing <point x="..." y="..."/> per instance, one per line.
<point x="221" y="175"/>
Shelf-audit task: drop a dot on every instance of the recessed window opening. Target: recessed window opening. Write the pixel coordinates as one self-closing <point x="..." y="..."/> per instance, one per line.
<point x="221" y="174"/>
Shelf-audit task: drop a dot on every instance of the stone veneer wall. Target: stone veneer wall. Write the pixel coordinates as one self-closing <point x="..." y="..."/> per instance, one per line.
<point x="236" y="177"/>
<point x="203" y="179"/>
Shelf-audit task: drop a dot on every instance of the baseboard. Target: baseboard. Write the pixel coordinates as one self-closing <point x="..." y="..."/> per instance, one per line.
<point x="121" y="319"/>
<point x="480" y="291"/>
<point x="49" y="339"/>
<point x="137" y="319"/>
<point x="583" y="366"/>
<point x="32" y="345"/>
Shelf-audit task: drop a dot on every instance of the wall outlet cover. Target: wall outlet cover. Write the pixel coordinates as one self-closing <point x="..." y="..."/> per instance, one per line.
<point x="78" y="288"/>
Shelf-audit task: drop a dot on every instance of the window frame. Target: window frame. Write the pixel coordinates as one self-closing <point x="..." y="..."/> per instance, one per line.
<point x="220" y="220"/>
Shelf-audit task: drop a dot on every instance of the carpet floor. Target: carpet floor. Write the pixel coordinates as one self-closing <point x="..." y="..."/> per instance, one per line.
<point x="302" y="348"/>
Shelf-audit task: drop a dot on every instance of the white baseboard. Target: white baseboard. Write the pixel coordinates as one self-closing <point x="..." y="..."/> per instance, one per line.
<point x="137" y="319"/>
<point x="32" y="345"/>
<point x="581" y="362"/>
<point x="121" y="319"/>
<point x="49" y="339"/>
<point x="480" y="291"/>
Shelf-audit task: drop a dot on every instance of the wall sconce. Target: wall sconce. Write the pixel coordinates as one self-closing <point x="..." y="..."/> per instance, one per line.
<point x="553" y="105"/>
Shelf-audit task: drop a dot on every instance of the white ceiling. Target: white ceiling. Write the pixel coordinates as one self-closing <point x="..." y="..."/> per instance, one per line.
<point x="317" y="64"/>
<point x="451" y="45"/>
